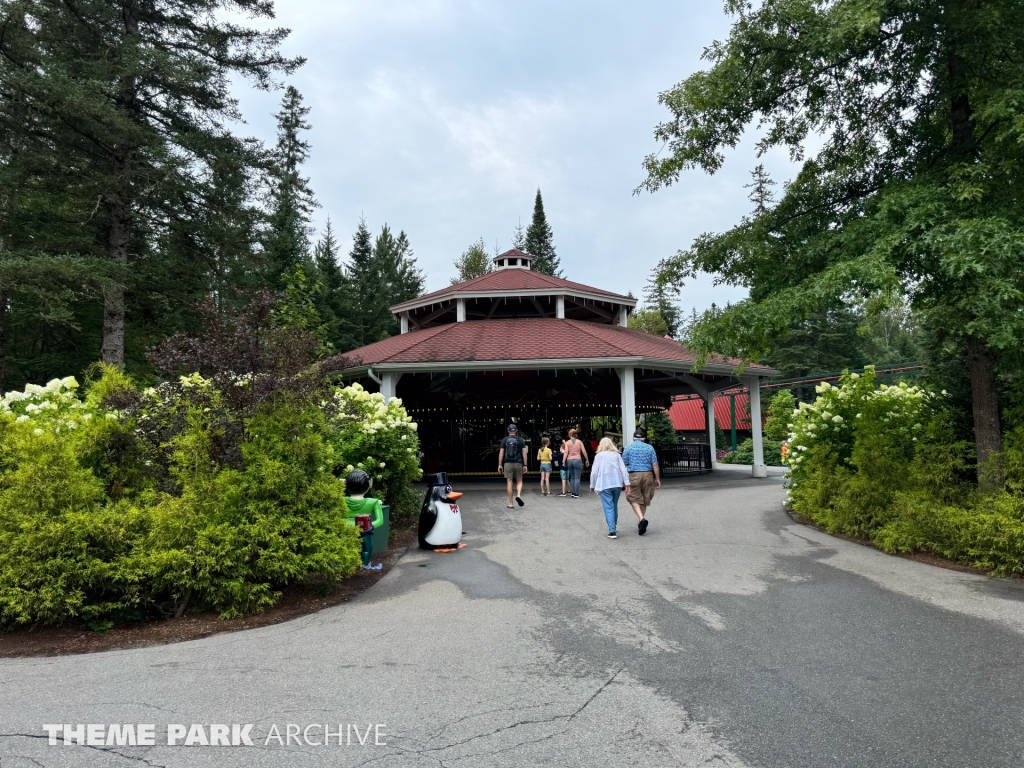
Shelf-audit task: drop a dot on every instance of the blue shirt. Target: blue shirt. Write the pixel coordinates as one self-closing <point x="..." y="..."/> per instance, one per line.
<point x="639" y="457"/>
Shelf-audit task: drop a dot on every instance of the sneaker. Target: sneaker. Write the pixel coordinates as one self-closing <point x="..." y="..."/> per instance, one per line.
<point x="642" y="525"/>
<point x="519" y="501"/>
<point x="612" y="535"/>
<point x="562" y="494"/>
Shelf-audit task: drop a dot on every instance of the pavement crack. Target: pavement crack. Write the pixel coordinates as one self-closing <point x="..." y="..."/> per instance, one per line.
<point x="554" y="719"/>
<point x="109" y="751"/>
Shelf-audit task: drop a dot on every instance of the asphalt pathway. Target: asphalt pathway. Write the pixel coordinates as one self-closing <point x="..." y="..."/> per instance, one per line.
<point x="727" y="636"/>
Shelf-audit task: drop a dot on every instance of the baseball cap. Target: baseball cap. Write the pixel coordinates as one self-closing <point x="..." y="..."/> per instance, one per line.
<point x="513" y="428"/>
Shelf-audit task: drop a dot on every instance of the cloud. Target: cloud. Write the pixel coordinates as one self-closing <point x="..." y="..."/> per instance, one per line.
<point x="442" y="117"/>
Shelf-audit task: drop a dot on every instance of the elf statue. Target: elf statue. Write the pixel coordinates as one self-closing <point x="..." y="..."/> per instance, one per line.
<point x="366" y="514"/>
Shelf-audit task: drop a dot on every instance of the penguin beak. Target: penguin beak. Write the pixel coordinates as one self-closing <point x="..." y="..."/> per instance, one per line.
<point x="454" y="496"/>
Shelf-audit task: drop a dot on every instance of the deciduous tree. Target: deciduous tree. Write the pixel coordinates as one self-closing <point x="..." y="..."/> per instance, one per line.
<point x="915" y="188"/>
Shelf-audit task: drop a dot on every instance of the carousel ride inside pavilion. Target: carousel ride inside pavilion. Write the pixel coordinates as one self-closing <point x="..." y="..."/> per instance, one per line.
<point x="549" y="354"/>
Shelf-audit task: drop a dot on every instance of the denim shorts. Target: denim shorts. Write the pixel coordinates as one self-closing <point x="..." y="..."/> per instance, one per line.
<point x="545" y="467"/>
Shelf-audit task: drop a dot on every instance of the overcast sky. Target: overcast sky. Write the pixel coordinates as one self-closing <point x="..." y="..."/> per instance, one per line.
<point x="443" y="117"/>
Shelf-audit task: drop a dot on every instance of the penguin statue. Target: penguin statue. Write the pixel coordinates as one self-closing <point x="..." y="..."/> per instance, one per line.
<point x="440" y="520"/>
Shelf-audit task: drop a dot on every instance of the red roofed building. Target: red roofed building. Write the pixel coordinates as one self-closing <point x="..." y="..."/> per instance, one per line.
<point x="518" y="345"/>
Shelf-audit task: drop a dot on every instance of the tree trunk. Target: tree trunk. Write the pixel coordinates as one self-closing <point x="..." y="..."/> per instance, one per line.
<point x="113" y="294"/>
<point x="987" y="437"/>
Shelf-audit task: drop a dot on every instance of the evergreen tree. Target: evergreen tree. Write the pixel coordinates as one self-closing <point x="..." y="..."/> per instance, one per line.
<point x="337" y="296"/>
<point x="826" y="342"/>
<point x="661" y="295"/>
<point x="129" y="101"/>
<point x="518" y="239"/>
<point x="539" y="242"/>
<point x="474" y="262"/>
<point x="292" y="201"/>
<point x="383" y="272"/>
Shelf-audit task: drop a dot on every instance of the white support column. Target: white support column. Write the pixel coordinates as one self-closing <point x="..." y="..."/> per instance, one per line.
<point x="709" y="406"/>
<point x="404" y="321"/>
<point x="754" y="385"/>
<point x="623" y="316"/>
<point x="560" y="307"/>
<point x="460" y="310"/>
<point x="389" y="385"/>
<point x="628" y="399"/>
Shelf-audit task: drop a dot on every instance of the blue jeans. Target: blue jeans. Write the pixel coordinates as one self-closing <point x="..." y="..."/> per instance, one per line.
<point x="610" y="502"/>
<point x="575" y="467"/>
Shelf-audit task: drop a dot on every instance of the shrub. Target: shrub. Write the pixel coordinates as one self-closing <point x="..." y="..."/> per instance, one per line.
<point x="206" y="493"/>
<point x="890" y="469"/>
<point x="744" y="453"/>
<point x="380" y="438"/>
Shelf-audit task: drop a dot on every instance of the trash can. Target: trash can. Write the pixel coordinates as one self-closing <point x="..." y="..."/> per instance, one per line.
<point x="379" y="539"/>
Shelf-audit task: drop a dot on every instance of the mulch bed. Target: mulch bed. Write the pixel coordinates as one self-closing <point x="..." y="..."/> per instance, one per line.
<point x="920" y="557"/>
<point x="296" y="600"/>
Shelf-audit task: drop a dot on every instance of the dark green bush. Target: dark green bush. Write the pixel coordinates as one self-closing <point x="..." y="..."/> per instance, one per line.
<point x="201" y="493"/>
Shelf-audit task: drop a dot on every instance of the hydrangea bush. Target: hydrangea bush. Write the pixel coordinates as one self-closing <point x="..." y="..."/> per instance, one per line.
<point x="122" y="503"/>
<point x="882" y="463"/>
<point x="380" y="438"/>
<point x="857" y="435"/>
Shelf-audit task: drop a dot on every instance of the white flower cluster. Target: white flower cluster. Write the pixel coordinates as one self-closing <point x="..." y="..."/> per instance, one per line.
<point x="894" y="409"/>
<point x="53" y="407"/>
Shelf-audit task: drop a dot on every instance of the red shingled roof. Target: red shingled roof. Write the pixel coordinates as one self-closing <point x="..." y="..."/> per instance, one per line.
<point x="504" y="280"/>
<point x="521" y="339"/>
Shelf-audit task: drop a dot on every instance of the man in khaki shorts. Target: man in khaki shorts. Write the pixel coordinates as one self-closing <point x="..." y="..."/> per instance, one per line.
<point x="512" y="463"/>
<point x="644" y="476"/>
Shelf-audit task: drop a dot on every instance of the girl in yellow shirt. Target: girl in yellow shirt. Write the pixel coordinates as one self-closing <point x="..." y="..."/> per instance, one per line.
<point x="544" y="457"/>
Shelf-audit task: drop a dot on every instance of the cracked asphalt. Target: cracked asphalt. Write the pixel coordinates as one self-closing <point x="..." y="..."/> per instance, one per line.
<point x="728" y="636"/>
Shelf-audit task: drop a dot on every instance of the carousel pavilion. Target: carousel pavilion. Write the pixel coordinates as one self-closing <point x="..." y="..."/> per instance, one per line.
<point x="547" y="353"/>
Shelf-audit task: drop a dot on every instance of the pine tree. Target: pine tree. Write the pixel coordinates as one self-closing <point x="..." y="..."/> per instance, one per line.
<point x="361" y="270"/>
<point x="337" y="295"/>
<point x="661" y="295"/>
<point x="130" y="101"/>
<point x="760" y="187"/>
<point x="518" y="238"/>
<point x="383" y="273"/>
<point x="539" y="243"/>
<point x="474" y="262"/>
<point x="292" y="201"/>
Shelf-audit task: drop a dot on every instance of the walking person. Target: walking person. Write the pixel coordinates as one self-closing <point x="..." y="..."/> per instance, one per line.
<point x="644" y="475"/>
<point x="558" y="462"/>
<point x="512" y="463"/>
<point x="575" y="457"/>
<point x="607" y="479"/>
<point x="544" y="454"/>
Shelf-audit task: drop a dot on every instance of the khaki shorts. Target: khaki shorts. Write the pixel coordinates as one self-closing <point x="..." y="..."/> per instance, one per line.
<point x="641" y="488"/>
<point x="513" y="470"/>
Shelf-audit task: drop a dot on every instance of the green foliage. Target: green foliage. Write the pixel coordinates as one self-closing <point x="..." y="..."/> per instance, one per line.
<point x="384" y="273"/>
<point x="539" y="241"/>
<point x="381" y="439"/>
<point x="891" y="470"/>
<point x="292" y="202"/>
<point x="649" y="321"/>
<point x="661" y="433"/>
<point x="744" y="453"/>
<point x="912" y="194"/>
<point x="780" y="413"/>
<point x="203" y="493"/>
<point x="474" y="262"/>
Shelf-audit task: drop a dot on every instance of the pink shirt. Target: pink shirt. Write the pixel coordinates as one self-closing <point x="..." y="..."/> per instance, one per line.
<point x="573" y="449"/>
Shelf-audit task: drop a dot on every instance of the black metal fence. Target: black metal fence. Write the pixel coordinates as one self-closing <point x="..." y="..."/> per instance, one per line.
<point x="685" y="459"/>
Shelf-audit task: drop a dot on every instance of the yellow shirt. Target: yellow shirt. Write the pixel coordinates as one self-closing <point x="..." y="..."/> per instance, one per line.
<point x="544" y="455"/>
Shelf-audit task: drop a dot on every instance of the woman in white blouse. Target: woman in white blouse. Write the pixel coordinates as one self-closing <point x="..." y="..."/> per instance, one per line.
<point x="608" y="477"/>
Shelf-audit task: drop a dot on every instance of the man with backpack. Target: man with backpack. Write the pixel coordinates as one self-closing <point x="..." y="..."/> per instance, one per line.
<point x="512" y="462"/>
